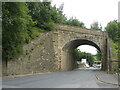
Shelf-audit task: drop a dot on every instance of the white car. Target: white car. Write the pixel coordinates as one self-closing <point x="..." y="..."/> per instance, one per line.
<point x="97" y="65"/>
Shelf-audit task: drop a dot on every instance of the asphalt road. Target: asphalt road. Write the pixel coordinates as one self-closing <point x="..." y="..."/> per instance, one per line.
<point x="80" y="78"/>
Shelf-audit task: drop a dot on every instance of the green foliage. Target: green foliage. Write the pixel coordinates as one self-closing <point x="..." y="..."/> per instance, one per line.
<point x="48" y="26"/>
<point x="22" y="22"/>
<point x="61" y="17"/>
<point x="78" y="55"/>
<point x="74" y="22"/>
<point x="96" y="26"/>
<point x="118" y="43"/>
<point x="90" y="58"/>
<point x="98" y="55"/>
<point x="44" y="15"/>
<point x="114" y="47"/>
<point x="15" y="24"/>
<point x="113" y="32"/>
<point x="41" y="14"/>
<point x="112" y="29"/>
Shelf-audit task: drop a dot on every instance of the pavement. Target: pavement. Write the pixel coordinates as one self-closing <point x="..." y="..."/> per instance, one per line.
<point x="79" y="78"/>
<point x="106" y="77"/>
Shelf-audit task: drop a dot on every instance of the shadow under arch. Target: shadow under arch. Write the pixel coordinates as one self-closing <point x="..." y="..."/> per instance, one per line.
<point x="67" y="58"/>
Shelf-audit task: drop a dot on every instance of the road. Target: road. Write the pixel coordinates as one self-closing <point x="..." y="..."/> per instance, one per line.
<point x="80" y="78"/>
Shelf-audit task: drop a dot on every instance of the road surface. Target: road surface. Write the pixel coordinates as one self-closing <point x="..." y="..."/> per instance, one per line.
<point x="80" y="78"/>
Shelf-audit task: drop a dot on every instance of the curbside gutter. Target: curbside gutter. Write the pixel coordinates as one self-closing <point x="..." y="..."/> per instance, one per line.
<point x="98" y="78"/>
<point x="17" y="76"/>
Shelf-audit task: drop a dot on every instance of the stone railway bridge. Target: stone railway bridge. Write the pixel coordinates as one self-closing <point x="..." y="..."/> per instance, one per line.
<point x="53" y="51"/>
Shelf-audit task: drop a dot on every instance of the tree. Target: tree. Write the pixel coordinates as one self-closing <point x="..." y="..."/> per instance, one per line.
<point x="112" y="29"/>
<point x="78" y="55"/>
<point x="23" y="21"/>
<point x="57" y="14"/>
<point x="98" y="55"/>
<point x="96" y="26"/>
<point x="44" y="15"/>
<point x="118" y="44"/>
<point x="41" y="14"/>
<point x="61" y="16"/>
<point x="89" y="58"/>
<point x="75" y="22"/>
<point x="15" y="24"/>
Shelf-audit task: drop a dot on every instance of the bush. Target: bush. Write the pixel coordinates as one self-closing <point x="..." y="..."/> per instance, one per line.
<point x="49" y="26"/>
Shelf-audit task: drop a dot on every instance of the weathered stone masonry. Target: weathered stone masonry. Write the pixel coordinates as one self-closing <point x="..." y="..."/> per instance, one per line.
<point x="53" y="51"/>
<point x="70" y="38"/>
<point x="39" y="57"/>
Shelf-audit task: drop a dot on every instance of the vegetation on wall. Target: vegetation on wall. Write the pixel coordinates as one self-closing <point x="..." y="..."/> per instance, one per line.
<point x="75" y="22"/>
<point x="22" y="22"/>
<point x="41" y="14"/>
<point x="114" y="33"/>
<point x="96" y="26"/>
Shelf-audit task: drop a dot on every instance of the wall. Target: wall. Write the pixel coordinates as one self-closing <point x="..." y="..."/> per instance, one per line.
<point x="53" y="51"/>
<point x="39" y="57"/>
<point x="70" y="37"/>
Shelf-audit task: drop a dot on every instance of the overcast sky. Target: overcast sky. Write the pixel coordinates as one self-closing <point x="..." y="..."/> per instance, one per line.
<point x="88" y="49"/>
<point x="89" y="11"/>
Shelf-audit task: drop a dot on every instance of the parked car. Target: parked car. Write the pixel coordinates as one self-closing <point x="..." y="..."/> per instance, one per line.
<point x="97" y="65"/>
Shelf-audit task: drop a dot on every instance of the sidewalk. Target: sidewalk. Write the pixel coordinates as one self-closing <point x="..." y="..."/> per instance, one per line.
<point x="22" y="75"/>
<point x="106" y="78"/>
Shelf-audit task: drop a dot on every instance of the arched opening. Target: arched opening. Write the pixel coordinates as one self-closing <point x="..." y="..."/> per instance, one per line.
<point x="87" y="56"/>
<point x="68" y="61"/>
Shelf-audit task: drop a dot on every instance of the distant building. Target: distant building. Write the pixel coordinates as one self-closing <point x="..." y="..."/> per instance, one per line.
<point x="84" y="61"/>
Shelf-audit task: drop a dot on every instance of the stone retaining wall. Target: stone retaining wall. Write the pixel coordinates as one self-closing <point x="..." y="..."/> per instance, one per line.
<point x="53" y="51"/>
<point x="39" y="57"/>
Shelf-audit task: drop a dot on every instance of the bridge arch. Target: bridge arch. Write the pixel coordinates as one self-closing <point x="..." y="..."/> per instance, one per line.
<point x="53" y="51"/>
<point x="77" y="42"/>
<point x="70" y="37"/>
<point x="68" y="62"/>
